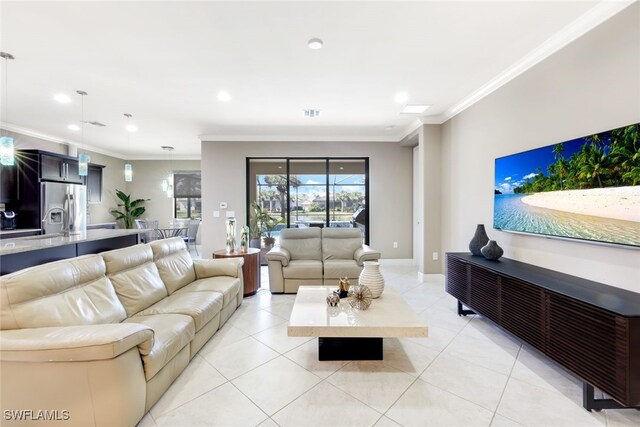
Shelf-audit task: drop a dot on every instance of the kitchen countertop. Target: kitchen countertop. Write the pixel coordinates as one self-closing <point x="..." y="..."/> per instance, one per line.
<point x="33" y="243"/>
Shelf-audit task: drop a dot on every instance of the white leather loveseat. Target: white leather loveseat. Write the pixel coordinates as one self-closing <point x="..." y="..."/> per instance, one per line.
<point x="100" y="338"/>
<point x="315" y="256"/>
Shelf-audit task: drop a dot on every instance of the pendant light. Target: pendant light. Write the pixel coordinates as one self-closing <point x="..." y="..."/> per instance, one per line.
<point x="7" y="155"/>
<point x="83" y="158"/>
<point x="167" y="183"/>
<point x="128" y="169"/>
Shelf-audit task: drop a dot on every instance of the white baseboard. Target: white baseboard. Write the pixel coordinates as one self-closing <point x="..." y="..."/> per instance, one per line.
<point x="397" y="261"/>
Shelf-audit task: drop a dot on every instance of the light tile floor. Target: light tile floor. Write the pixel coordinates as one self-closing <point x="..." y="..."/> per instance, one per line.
<point x="466" y="373"/>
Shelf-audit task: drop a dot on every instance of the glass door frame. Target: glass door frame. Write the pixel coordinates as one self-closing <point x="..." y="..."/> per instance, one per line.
<point x="327" y="160"/>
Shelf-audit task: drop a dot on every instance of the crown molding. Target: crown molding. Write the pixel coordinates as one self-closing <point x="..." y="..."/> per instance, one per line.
<point x="588" y="21"/>
<point x="295" y="138"/>
<point x="51" y="138"/>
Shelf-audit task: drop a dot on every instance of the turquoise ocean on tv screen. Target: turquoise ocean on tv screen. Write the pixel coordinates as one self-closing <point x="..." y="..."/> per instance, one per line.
<point x="510" y="213"/>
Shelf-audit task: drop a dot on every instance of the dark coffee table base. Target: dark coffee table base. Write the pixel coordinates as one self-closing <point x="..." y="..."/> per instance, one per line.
<point x="349" y="348"/>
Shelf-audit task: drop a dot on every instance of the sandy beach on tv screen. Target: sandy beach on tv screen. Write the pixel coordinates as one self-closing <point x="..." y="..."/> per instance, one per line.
<point x="614" y="202"/>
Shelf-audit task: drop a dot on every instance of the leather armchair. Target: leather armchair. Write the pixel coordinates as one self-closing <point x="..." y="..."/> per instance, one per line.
<point x="314" y="256"/>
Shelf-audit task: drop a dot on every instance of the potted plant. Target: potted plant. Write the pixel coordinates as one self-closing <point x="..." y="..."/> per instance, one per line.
<point x="254" y="225"/>
<point x="268" y="225"/>
<point x="262" y="223"/>
<point x="131" y="209"/>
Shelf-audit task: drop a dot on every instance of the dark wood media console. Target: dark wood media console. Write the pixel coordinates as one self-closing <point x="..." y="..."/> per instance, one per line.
<point x="591" y="329"/>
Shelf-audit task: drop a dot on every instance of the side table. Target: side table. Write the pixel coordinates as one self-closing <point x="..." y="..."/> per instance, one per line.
<point x="250" y="268"/>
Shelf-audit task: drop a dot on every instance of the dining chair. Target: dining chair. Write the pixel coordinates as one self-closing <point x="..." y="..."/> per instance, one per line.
<point x="192" y="234"/>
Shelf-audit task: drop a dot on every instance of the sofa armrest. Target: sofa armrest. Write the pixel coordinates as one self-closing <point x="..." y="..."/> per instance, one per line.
<point x="365" y="253"/>
<point x="74" y="343"/>
<point x="218" y="267"/>
<point x="278" y="253"/>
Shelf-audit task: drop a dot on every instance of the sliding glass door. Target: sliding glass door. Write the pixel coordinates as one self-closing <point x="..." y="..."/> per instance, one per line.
<point x="310" y="192"/>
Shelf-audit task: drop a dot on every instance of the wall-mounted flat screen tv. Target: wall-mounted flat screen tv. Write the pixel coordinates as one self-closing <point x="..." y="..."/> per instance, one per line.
<point x="586" y="188"/>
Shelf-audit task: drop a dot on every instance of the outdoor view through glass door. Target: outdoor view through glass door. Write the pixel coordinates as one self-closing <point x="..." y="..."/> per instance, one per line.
<point x="306" y="192"/>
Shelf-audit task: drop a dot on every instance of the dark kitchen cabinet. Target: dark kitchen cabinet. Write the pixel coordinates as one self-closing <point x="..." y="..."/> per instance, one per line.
<point x="94" y="184"/>
<point x="8" y="184"/>
<point x="58" y="168"/>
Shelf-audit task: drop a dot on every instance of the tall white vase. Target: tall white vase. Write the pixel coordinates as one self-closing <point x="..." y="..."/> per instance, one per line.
<point x="370" y="276"/>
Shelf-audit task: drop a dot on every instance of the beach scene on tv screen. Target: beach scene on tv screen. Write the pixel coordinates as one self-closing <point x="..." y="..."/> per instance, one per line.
<point x="586" y="188"/>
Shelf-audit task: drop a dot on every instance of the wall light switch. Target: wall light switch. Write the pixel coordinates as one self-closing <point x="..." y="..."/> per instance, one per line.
<point x="395" y="245"/>
<point x="231" y="214"/>
<point x="223" y="205"/>
<point x="216" y="214"/>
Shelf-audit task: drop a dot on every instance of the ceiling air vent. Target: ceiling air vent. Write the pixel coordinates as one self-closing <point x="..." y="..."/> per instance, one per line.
<point x="311" y="113"/>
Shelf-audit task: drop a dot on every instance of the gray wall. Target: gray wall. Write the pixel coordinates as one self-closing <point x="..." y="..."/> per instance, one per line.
<point x="591" y="85"/>
<point x="146" y="184"/>
<point x="223" y="180"/>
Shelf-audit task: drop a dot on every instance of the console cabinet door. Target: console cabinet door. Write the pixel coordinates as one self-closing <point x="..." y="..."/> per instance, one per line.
<point x="484" y="293"/>
<point x="457" y="279"/>
<point x="522" y="311"/>
<point x="590" y="342"/>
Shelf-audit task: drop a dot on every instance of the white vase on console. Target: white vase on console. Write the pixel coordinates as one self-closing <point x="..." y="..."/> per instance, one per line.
<point x="371" y="277"/>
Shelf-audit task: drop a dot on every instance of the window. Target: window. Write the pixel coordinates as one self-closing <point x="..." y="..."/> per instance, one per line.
<point x="311" y="192"/>
<point x="187" y="195"/>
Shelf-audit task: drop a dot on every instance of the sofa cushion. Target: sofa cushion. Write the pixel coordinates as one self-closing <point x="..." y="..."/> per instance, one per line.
<point x="340" y="243"/>
<point x="227" y="286"/>
<point x="171" y="332"/>
<point x="201" y="306"/>
<point x="62" y="293"/>
<point x="135" y="277"/>
<point x="336" y="268"/>
<point x="302" y="243"/>
<point x="303" y="269"/>
<point x="218" y="267"/>
<point x="174" y="263"/>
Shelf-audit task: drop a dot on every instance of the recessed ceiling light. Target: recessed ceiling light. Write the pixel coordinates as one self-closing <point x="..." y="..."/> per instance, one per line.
<point x="414" y="109"/>
<point x="401" y="97"/>
<point x="390" y="127"/>
<point x="73" y="127"/>
<point x="131" y="128"/>
<point x="224" y="96"/>
<point x="62" y="98"/>
<point x="311" y="113"/>
<point x="315" y="44"/>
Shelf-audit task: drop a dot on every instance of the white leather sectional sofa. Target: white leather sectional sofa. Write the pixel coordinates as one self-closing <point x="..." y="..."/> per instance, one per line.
<point x="315" y="256"/>
<point x="102" y="337"/>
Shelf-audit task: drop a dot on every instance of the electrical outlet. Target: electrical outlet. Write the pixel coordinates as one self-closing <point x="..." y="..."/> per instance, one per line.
<point x="216" y="214"/>
<point x="435" y="256"/>
<point x="395" y="245"/>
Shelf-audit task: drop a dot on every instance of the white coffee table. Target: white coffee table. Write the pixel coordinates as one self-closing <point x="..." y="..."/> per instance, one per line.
<point x="346" y="333"/>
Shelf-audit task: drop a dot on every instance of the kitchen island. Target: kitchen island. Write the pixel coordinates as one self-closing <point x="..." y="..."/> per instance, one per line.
<point x="19" y="253"/>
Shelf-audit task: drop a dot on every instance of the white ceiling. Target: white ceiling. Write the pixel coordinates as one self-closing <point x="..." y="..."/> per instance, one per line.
<point x="164" y="62"/>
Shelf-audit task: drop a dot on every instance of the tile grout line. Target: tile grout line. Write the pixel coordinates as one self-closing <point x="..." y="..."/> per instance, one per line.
<point x="506" y="384"/>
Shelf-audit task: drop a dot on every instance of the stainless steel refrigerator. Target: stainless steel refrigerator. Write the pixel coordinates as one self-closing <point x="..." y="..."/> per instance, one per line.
<point x="71" y="198"/>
